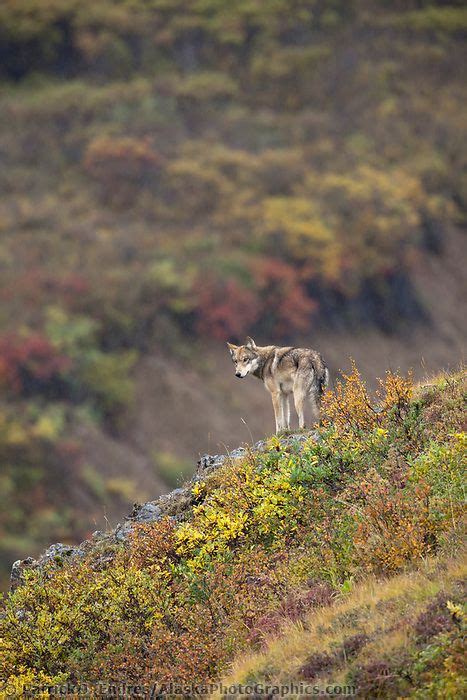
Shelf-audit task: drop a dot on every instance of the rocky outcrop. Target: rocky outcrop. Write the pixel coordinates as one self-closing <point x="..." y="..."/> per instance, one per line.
<point x="176" y="504"/>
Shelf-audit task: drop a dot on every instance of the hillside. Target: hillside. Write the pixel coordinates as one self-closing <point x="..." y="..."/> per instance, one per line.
<point x="178" y="173"/>
<point x="403" y="637"/>
<point x="326" y="557"/>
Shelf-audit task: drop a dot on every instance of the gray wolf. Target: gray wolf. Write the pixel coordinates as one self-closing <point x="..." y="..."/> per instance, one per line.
<point x="284" y="371"/>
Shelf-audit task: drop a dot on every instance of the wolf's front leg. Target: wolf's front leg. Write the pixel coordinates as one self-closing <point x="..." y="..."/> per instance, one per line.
<point x="276" y="402"/>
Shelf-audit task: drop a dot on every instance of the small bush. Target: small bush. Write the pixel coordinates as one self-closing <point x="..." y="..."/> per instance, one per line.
<point x="316" y="664"/>
<point x="376" y="680"/>
<point x="31" y="364"/>
<point x="121" y="167"/>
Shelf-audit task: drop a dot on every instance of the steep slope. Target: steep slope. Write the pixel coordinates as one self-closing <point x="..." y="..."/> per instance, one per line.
<point x="401" y="637"/>
<point x="261" y="540"/>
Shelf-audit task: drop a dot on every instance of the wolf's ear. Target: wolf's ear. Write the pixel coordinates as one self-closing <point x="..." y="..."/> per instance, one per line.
<point x="232" y="348"/>
<point x="250" y="343"/>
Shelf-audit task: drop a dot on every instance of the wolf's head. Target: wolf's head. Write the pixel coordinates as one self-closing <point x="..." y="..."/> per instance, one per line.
<point x="245" y="357"/>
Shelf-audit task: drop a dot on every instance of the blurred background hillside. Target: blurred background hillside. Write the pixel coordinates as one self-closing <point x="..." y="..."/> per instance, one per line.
<point x="175" y="173"/>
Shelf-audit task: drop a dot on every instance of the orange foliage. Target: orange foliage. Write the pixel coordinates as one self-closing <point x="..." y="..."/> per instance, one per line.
<point x="350" y="408"/>
<point x="396" y="524"/>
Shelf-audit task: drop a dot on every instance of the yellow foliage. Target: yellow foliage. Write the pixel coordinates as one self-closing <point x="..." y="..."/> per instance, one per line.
<point x="348" y="409"/>
<point x="297" y="223"/>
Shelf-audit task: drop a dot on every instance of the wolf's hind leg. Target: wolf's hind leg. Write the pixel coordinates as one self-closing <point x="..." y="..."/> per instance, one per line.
<point x="299" y="395"/>
<point x="285" y="412"/>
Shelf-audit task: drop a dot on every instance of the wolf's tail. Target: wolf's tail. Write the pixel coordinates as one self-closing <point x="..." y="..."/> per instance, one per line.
<point x="323" y="381"/>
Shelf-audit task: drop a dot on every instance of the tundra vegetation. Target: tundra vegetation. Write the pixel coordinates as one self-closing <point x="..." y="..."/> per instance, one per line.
<point x="336" y="558"/>
<point x="200" y="168"/>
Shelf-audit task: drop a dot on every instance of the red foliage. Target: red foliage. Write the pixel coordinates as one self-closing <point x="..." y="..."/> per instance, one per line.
<point x="67" y="286"/>
<point x="283" y="295"/>
<point x="226" y="309"/>
<point x="276" y="299"/>
<point x="35" y="287"/>
<point x="30" y="359"/>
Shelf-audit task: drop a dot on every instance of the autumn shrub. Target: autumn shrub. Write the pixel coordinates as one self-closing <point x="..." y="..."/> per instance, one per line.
<point x="281" y="290"/>
<point x="400" y="513"/>
<point x="59" y="36"/>
<point x="225" y="308"/>
<point x="31" y="364"/>
<point x="440" y="466"/>
<point x="349" y="408"/>
<point x="134" y="309"/>
<point x="100" y="377"/>
<point x="433" y="20"/>
<point x="396" y="524"/>
<point x="104" y="51"/>
<point x="438" y="667"/>
<point x="293" y="226"/>
<point x="201" y="92"/>
<point x="192" y="190"/>
<point x="51" y="383"/>
<point x="122" y="166"/>
<point x="276" y="167"/>
<point x="279" y="170"/>
<point x="285" y="75"/>
<point x="266" y="292"/>
<point x="322" y="226"/>
<point x="236" y="164"/>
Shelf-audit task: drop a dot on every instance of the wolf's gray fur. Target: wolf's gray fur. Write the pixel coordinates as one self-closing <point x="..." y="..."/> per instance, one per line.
<point x="284" y="371"/>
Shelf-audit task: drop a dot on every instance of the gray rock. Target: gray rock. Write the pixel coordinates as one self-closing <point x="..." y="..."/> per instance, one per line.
<point x="16" y="576"/>
<point x="174" y="495"/>
<point x="146" y="512"/>
<point x="122" y="531"/>
<point x="57" y="552"/>
<point x="142" y="513"/>
<point x="208" y="463"/>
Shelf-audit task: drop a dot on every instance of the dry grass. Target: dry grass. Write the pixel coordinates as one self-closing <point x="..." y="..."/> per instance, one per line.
<point x="382" y="610"/>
